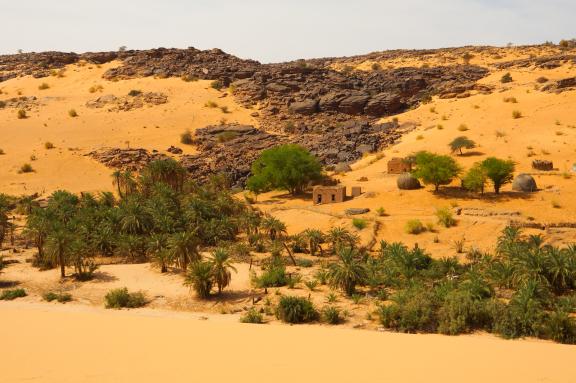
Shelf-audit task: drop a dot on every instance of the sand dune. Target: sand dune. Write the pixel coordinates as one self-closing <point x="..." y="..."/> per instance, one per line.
<point x="101" y="346"/>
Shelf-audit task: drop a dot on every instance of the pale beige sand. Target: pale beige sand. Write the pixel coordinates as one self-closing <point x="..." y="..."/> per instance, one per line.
<point x="56" y="344"/>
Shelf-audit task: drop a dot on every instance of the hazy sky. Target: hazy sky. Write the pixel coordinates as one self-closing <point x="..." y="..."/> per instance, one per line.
<point x="274" y="30"/>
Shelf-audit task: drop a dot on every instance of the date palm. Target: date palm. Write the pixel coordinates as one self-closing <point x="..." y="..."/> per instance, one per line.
<point x="59" y="248"/>
<point x="184" y="248"/>
<point x="158" y="251"/>
<point x="315" y="239"/>
<point x="348" y="272"/>
<point x="274" y="227"/>
<point x="221" y="265"/>
<point x="200" y="278"/>
<point x="340" y="237"/>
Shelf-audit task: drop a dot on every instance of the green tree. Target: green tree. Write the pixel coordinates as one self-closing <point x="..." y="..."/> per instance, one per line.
<point x="460" y="143"/>
<point x="475" y="179"/>
<point x="348" y="272"/>
<point x="184" y="248"/>
<point x="273" y="226"/>
<point x="200" y="278"/>
<point x="221" y="265"/>
<point x="435" y="169"/>
<point x="500" y="172"/>
<point x="315" y="238"/>
<point x="288" y="167"/>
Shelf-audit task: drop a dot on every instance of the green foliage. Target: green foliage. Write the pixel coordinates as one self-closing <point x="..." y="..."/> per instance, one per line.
<point x="60" y="297"/>
<point x="445" y="217"/>
<point x="252" y="316"/>
<point x="287" y="167"/>
<point x="331" y="315"/>
<point x="121" y="298"/>
<point x="348" y="272"/>
<point x="10" y="295"/>
<point x="475" y="179"/>
<point x="216" y="84"/>
<point x="460" y="143"/>
<point x="414" y="226"/>
<point x="200" y="278"/>
<point x="296" y="310"/>
<point x="500" y="172"/>
<point x="359" y="223"/>
<point x="435" y="169"/>
<point x="274" y="275"/>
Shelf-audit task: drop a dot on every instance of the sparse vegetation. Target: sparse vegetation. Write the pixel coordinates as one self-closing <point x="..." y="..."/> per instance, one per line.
<point x="186" y="138"/>
<point x="26" y="168"/>
<point x="43" y="86"/>
<point x="59" y="297"/>
<point x="72" y="113"/>
<point x="445" y="217"/>
<point x="48" y="145"/>
<point x="506" y="78"/>
<point x="216" y="84"/>
<point x="296" y="310"/>
<point x="10" y="295"/>
<point x="121" y="298"/>
<point x="516" y="114"/>
<point x="414" y="226"/>
<point x="22" y="114"/>
<point x="460" y="143"/>
<point x="359" y="223"/>
<point x="252" y="316"/>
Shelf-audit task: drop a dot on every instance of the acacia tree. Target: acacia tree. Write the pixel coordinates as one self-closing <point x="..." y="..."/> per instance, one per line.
<point x="435" y="169"/>
<point x="475" y="179"/>
<point x="500" y="172"/>
<point x="289" y="167"/>
<point x="460" y="143"/>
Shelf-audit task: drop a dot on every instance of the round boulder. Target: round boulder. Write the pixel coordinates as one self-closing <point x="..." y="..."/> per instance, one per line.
<point x="407" y="181"/>
<point x="342" y="167"/>
<point x="524" y="183"/>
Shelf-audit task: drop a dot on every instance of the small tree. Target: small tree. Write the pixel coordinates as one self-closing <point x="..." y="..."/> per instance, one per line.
<point x="460" y="143"/>
<point x="500" y="172"/>
<point x="288" y="167"/>
<point x="435" y="169"/>
<point x="475" y="179"/>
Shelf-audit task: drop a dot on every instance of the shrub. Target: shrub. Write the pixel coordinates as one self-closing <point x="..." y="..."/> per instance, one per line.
<point x="359" y="223"/>
<point x="60" y="297"/>
<point x="211" y="104"/>
<point x="506" y="78"/>
<point x="445" y="217"/>
<point x="72" y="113"/>
<point x="511" y="100"/>
<point x="135" y="93"/>
<point x="216" y="84"/>
<point x="43" y="86"/>
<point x="26" y="168"/>
<point x="296" y="310"/>
<point x="189" y="78"/>
<point x="381" y="212"/>
<point x="331" y="315"/>
<point x="475" y="179"/>
<point x="224" y="109"/>
<point x="516" y="114"/>
<point x="200" y="277"/>
<point x="121" y="298"/>
<point x="186" y="138"/>
<point x="273" y="276"/>
<point x="311" y="284"/>
<point x="95" y="88"/>
<point x="21" y="114"/>
<point x="252" y="316"/>
<point x="413" y="310"/>
<point x="9" y="295"/>
<point x="460" y="313"/>
<point x="414" y="226"/>
<point x="559" y="326"/>
<point x="48" y="145"/>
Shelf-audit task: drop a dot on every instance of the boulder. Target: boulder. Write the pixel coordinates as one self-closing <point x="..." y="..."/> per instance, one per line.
<point x="342" y="167"/>
<point x="524" y="183"/>
<point x="383" y="104"/>
<point x="407" y="181"/>
<point x="357" y="211"/>
<point x="353" y="104"/>
<point x="306" y="107"/>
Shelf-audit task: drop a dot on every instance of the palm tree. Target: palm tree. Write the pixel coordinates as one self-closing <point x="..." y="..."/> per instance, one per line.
<point x="38" y="225"/>
<point x="200" y="278"/>
<point x="348" y="272"/>
<point x="158" y="250"/>
<point x="221" y="266"/>
<point x="274" y="227"/>
<point x="315" y="238"/>
<point x="184" y="248"/>
<point x="116" y="181"/>
<point x="559" y="268"/>
<point x="134" y="218"/>
<point x="59" y="246"/>
<point x="340" y="237"/>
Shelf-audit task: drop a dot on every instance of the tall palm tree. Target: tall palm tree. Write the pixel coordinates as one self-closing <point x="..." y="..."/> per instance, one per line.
<point x="184" y="248"/>
<point x="38" y="226"/>
<point x="116" y="181"/>
<point x="221" y="266"/>
<point x="315" y="239"/>
<point x="158" y="250"/>
<point x="134" y="217"/>
<point x="348" y="272"/>
<point x="59" y="246"/>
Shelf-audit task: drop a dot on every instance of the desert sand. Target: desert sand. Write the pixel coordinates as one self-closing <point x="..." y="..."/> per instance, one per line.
<point x="56" y="344"/>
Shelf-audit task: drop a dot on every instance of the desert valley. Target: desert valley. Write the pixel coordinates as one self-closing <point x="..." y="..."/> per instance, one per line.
<point x="398" y="204"/>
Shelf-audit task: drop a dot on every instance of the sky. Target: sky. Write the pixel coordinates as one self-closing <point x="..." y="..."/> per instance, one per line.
<point x="274" y="30"/>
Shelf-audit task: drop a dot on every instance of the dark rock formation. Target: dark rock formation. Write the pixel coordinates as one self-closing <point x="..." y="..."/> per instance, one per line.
<point x="524" y="183"/>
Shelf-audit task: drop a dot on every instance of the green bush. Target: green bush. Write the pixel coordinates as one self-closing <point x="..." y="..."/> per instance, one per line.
<point x="445" y="217"/>
<point x="296" y="310"/>
<point x="331" y="315"/>
<point x="121" y="298"/>
<point x="359" y="223"/>
<point x="252" y="316"/>
<point x="60" y="297"/>
<point x="9" y="295"/>
<point x="460" y="313"/>
<point x="26" y="168"/>
<point x="414" y="226"/>
<point x="273" y="276"/>
<point x="414" y="310"/>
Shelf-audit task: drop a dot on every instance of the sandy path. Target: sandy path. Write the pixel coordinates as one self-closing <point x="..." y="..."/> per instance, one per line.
<point x="104" y="346"/>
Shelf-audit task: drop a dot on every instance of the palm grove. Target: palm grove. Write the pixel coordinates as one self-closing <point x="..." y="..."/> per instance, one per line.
<point x="525" y="288"/>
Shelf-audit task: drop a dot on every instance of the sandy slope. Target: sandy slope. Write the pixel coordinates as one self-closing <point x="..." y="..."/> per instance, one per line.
<point x="547" y="130"/>
<point x="65" y="167"/>
<point x="97" y="346"/>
